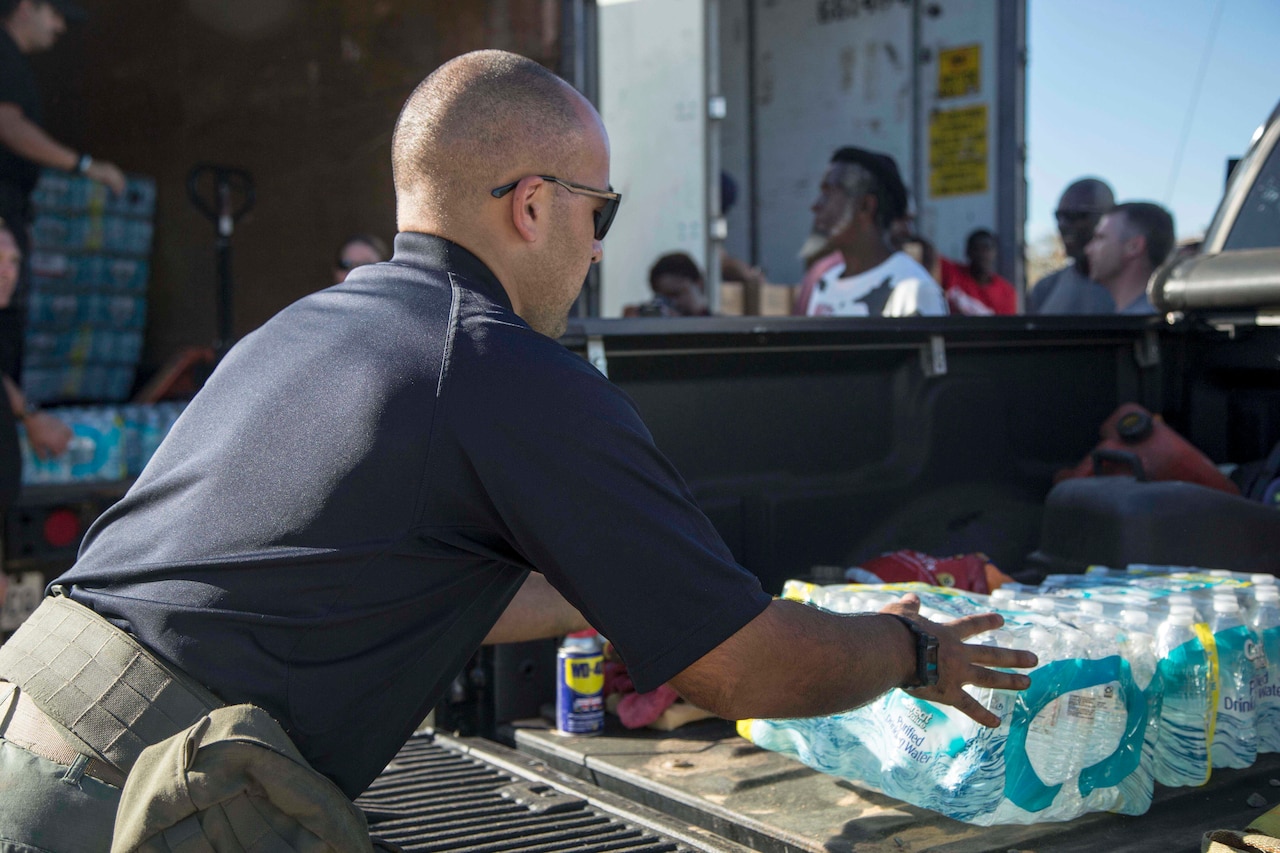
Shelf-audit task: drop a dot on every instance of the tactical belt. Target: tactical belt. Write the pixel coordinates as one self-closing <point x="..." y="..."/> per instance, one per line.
<point x="104" y="695"/>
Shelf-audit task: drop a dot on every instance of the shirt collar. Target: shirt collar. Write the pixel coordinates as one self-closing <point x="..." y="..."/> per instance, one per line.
<point x="429" y="251"/>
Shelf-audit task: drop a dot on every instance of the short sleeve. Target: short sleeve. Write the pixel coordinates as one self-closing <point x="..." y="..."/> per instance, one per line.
<point x="16" y="82"/>
<point x="586" y="497"/>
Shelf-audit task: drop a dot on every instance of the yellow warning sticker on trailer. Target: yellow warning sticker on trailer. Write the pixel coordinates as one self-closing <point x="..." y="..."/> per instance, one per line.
<point x="960" y="71"/>
<point x="958" y="147"/>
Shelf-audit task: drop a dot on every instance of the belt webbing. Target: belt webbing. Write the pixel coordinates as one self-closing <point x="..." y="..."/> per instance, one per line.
<point x="98" y="682"/>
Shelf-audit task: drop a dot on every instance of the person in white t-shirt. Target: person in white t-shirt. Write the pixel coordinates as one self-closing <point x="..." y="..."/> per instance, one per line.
<point x="861" y="195"/>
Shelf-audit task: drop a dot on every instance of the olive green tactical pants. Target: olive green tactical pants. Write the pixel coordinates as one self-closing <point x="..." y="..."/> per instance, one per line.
<point x="52" y="808"/>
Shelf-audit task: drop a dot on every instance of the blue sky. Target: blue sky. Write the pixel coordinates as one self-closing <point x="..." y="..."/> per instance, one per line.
<point x="1109" y="87"/>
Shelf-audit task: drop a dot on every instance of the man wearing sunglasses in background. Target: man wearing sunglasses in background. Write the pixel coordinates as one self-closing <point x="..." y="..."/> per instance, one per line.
<point x="394" y="470"/>
<point x="1070" y="290"/>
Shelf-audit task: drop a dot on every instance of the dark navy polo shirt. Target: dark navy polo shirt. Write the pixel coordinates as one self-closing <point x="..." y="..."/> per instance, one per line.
<point x="341" y="514"/>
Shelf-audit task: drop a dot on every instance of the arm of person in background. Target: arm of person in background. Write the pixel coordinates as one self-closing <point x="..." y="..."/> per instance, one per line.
<point x="47" y="435"/>
<point x="536" y="613"/>
<point x="26" y="139"/>
<point x="794" y="660"/>
<point x="733" y="269"/>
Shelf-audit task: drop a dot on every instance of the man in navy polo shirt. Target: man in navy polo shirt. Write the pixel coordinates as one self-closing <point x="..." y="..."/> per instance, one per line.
<point x="394" y="470"/>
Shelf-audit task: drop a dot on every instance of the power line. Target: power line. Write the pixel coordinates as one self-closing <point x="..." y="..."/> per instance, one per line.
<point x="1195" y="99"/>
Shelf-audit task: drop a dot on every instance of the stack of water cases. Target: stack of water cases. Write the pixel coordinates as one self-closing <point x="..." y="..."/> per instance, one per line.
<point x="87" y="305"/>
<point x="1151" y="675"/>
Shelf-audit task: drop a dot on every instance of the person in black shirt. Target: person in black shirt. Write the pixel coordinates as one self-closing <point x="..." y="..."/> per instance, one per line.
<point x="405" y="465"/>
<point x="27" y="27"/>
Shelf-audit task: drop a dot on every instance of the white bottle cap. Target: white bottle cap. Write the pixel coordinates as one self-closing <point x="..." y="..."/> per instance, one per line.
<point x="1181" y="617"/>
<point x="1183" y="608"/>
<point x="1266" y="593"/>
<point x="1001" y="596"/>
<point x="1219" y="573"/>
<point x="1222" y="604"/>
<point x="1090" y="608"/>
<point x="1262" y="580"/>
<point x="1043" y="604"/>
<point x="1177" y="598"/>
<point x="1042" y="638"/>
<point x="1133" y="617"/>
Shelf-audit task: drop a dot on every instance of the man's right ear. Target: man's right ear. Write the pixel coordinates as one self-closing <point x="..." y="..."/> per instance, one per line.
<point x="529" y="211"/>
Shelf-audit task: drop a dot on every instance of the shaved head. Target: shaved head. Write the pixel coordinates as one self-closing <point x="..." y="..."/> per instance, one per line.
<point x="1088" y="194"/>
<point x="479" y="121"/>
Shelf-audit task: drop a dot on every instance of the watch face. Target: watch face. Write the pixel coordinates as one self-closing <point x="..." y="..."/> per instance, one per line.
<point x="929" y="675"/>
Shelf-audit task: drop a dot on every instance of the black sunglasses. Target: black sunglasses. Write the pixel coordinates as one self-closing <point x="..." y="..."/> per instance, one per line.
<point x="603" y="216"/>
<point x="1075" y="215"/>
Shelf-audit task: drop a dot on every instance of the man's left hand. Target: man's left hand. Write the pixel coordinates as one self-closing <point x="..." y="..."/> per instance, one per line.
<point x="961" y="663"/>
<point x="108" y="174"/>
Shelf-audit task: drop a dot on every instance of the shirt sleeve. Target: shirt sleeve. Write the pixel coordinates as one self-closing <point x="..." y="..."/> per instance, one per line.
<point x="913" y="297"/>
<point x="583" y="493"/>
<point x="14" y="81"/>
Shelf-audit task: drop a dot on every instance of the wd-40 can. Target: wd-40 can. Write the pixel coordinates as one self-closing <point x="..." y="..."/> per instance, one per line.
<point x="579" y="684"/>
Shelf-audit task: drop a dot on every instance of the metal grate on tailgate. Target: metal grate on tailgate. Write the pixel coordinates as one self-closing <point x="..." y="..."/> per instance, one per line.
<point x="440" y="795"/>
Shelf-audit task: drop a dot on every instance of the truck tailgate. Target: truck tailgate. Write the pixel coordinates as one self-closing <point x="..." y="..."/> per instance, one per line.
<point x="704" y="774"/>
<point x="446" y="794"/>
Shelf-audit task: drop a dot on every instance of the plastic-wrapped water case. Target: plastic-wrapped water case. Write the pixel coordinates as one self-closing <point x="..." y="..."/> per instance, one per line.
<point x="1081" y="739"/>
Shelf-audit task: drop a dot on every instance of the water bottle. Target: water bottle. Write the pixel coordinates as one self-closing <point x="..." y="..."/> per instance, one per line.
<point x="1138" y="647"/>
<point x="1184" y="599"/>
<point x="1256" y="582"/>
<point x="839" y="600"/>
<point x="1054" y="727"/>
<point x="1002" y="598"/>
<point x="1235" y="739"/>
<point x="1090" y="610"/>
<point x="1107" y="708"/>
<point x="1187" y="712"/>
<point x="1266" y="624"/>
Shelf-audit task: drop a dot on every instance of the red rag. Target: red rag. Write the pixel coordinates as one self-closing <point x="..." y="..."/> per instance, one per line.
<point x="637" y="710"/>
<point x="963" y="571"/>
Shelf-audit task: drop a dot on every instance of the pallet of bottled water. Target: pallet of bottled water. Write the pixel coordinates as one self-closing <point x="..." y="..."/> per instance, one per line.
<point x="1151" y="675"/>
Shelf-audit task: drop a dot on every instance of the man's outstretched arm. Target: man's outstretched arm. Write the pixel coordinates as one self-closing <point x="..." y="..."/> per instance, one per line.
<point x="798" y="661"/>
<point x="29" y="141"/>
<point x="536" y="613"/>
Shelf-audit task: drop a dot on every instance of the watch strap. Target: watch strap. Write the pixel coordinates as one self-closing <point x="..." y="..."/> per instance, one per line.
<point x="926" y="649"/>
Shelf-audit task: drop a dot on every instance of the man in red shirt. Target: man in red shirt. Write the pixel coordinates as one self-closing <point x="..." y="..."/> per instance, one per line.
<point x="977" y="289"/>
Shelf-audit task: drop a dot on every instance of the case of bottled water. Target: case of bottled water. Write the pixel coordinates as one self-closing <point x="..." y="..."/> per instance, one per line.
<point x="1082" y="738"/>
<point x="1149" y="675"/>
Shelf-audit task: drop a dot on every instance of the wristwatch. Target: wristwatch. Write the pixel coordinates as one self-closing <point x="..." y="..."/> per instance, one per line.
<point x="83" y="164"/>
<point x="28" y="409"/>
<point x="926" y="654"/>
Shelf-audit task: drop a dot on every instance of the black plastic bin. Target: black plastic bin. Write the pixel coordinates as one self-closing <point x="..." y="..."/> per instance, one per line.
<point x="1116" y="521"/>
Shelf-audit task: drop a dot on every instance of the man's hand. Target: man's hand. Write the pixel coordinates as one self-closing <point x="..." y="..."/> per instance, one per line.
<point x="961" y="663"/>
<point x="47" y="435"/>
<point x="108" y="174"/>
